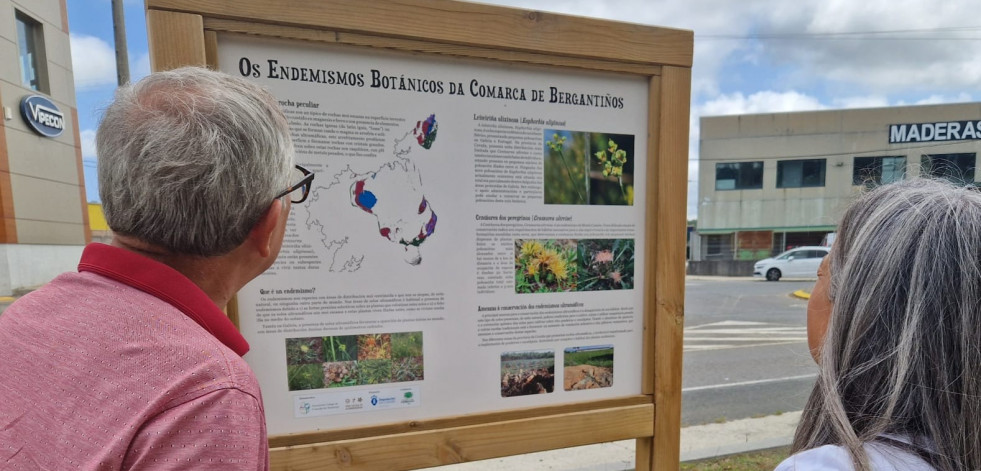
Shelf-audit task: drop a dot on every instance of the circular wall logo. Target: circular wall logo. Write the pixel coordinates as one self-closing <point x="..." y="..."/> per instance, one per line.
<point x="42" y="115"/>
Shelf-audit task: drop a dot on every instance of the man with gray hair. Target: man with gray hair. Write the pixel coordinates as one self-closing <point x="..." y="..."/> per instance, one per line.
<point x="131" y="363"/>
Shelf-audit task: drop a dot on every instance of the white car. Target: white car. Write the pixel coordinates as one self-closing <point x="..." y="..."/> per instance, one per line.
<point x="801" y="262"/>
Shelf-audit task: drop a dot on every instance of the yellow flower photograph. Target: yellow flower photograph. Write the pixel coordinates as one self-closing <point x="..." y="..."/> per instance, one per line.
<point x="545" y="266"/>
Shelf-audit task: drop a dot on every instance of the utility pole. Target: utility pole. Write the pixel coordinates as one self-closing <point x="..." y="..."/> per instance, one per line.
<point x="119" y="30"/>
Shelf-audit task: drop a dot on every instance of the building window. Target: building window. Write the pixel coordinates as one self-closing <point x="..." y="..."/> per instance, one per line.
<point x="30" y="46"/>
<point x="800" y="173"/>
<point x="718" y="247"/>
<point x="739" y="176"/>
<point x="958" y="168"/>
<point x="784" y="241"/>
<point x="873" y="171"/>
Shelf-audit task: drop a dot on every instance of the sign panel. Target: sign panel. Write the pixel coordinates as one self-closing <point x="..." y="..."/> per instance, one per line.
<point x="471" y="242"/>
<point x="935" y="132"/>
<point x="42" y="115"/>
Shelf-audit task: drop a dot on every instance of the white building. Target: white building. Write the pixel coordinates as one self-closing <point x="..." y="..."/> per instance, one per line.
<point x="43" y="212"/>
<point x="769" y="182"/>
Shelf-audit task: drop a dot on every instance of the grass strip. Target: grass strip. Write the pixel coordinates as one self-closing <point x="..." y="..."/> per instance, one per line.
<point x="751" y="461"/>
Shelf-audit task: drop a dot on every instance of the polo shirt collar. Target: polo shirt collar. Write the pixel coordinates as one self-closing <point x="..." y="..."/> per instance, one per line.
<point x="162" y="281"/>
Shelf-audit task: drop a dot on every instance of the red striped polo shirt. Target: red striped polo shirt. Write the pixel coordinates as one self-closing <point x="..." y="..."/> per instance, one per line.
<point x="126" y="364"/>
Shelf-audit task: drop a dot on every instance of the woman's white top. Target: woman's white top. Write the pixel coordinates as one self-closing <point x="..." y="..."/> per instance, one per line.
<point x="836" y="458"/>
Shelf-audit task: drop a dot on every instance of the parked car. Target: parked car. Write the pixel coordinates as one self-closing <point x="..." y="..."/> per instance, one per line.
<point x="801" y="262"/>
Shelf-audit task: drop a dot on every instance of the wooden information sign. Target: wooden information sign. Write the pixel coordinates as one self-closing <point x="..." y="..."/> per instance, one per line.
<point x="491" y="259"/>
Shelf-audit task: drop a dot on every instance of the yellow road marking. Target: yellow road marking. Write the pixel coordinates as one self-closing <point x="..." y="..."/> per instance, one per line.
<point x="802" y="294"/>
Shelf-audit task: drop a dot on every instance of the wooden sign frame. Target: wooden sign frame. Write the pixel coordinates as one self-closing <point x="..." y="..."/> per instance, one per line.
<point x="185" y="32"/>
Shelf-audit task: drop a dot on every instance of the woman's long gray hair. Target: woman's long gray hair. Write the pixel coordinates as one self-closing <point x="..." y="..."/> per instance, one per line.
<point x="902" y="356"/>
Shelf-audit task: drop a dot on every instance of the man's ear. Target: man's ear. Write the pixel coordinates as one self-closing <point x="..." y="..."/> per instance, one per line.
<point x="261" y="235"/>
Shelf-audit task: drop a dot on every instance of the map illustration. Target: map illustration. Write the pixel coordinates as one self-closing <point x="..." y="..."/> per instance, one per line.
<point x="349" y="213"/>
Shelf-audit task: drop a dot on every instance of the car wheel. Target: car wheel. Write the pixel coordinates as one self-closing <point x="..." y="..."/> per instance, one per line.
<point x="773" y="275"/>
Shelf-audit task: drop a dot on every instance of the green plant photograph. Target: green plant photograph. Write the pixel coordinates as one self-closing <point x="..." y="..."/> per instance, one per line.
<point x="375" y="371"/>
<point x="303" y="351"/>
<point x="302" y="377"/>
<point x="605" y="264"/>
<point x="406" y="344"/>
<point x="341" y="348"/>
<point x="611" y="169"/>
<point x="352" y="360"/>
<point x="591" y="168"/>
<point x="545" y="266"/>
<point x="600" y="355"/>
<point x="407" y="369"/>
<point x="565" y="169"/>
<point x="407" y="364"/>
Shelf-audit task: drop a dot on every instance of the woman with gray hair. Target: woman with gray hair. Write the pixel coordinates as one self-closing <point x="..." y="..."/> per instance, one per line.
<point x="899" y="386"/>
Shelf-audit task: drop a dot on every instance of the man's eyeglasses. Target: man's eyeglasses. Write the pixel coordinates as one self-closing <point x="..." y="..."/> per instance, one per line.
<point x="299" y="192"/>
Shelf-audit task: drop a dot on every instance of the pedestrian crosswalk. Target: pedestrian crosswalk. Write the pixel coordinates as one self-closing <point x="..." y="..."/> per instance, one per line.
<point x="737" y="334"/>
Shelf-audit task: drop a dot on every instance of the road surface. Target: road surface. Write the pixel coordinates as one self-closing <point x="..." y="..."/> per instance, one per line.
<point x="745" y="349"/>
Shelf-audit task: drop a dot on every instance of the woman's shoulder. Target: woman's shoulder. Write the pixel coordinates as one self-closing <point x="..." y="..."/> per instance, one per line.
<point x="827" y="457"/>
<point x="833" y="457"/>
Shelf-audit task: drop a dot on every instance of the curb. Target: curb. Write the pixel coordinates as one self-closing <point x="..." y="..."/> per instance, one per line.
<point x="738" y="436"/>
<point x="801" y="294"/>
<point x="721" y="278"/>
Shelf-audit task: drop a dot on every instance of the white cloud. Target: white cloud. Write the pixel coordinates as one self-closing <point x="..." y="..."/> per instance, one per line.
<point x="88" y="143"/>
<point x="937" y="99"/>
<point x="93" y="62"/>
<point x="935" y="56"/>
<point x="869" y="101"/>
<point x="759" y="102"/>
<point x="927" y="54"/>
<point x="700" y="16"/>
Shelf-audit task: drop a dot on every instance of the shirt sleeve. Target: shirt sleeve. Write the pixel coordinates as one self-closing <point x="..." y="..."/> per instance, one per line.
<point x="224" y="429"/>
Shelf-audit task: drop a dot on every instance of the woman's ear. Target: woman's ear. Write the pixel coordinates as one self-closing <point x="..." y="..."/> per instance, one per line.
<point x="819" y="310"/>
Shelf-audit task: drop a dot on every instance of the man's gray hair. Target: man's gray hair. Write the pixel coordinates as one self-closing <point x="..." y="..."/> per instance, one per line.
<point x="902" y="355"/>
<point x="190" y="159"/>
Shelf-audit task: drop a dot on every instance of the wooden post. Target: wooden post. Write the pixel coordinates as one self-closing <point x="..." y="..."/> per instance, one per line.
<point x="175" y="39"/>
<point x="669" y="279"/>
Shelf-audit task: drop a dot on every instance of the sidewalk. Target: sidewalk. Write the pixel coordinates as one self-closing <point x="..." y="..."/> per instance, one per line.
<point x="697" y="442"/>
<point x="740" y="278"/>
<point x="720" y="278"/>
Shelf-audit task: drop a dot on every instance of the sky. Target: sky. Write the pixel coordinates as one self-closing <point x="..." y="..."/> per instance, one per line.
<point x="751" y="56"/>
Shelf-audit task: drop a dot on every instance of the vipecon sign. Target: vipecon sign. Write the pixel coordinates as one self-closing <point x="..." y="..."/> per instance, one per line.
<point x="42" y="115"/>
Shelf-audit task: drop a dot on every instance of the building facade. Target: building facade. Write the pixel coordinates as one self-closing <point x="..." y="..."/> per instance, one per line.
<point x="770" y="182"/>
<point x="43" y="212"/>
